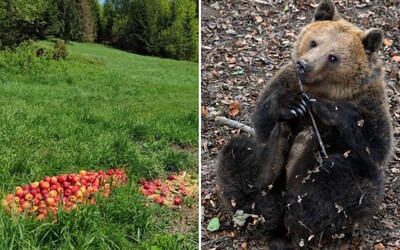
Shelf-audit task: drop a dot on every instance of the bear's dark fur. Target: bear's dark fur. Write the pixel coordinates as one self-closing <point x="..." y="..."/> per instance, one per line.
<point x="306" y="199"/>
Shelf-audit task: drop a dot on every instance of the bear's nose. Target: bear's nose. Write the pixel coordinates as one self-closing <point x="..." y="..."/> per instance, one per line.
<point x="302" y="67"/>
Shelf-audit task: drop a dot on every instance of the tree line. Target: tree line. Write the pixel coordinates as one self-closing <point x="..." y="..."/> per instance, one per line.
<point x="167" y="28"/>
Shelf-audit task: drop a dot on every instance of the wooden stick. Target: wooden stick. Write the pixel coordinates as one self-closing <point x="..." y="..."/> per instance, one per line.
<point x="321" y="144"/>
<point x="235" y="124"/>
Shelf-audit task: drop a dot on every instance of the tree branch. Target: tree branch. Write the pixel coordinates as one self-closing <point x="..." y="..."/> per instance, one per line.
<point x="235" y="124"/>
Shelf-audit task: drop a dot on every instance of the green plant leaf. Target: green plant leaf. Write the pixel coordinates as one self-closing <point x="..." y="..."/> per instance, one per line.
<point x="213" y="225"/>
<point x="239" y="218"/>
<point x="239" y="72"/>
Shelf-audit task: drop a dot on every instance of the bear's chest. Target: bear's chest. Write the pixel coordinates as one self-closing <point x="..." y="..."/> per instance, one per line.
<point x="330" y="136"/>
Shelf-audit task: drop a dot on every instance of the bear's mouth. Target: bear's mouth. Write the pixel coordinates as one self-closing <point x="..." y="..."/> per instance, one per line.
<point x="305" y="78"/>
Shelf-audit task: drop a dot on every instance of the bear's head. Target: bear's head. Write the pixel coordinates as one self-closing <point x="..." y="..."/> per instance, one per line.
<point x="334" y="58"/>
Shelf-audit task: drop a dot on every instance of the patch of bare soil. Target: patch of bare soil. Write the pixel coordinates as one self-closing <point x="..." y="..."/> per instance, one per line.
<point x="244" y="43"/>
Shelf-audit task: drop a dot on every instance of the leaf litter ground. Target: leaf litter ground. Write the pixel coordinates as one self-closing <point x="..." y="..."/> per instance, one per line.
<point x="244" y="43"/>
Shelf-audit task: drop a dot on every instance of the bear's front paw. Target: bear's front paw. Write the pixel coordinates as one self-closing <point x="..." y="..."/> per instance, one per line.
<point x="292" y="107"/>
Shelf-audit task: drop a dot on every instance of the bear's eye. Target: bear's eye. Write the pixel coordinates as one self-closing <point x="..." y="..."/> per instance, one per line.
<point x="333" y="58"/>
<point x="313" y="44"/>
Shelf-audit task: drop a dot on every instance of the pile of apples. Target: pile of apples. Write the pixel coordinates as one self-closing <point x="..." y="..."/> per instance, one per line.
<point x="64" y="191"/>
<point x="172" y="191"/>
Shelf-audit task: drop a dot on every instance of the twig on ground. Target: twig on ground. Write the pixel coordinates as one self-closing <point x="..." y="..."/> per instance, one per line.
<point x="235" y="124"/>
<point x="259" y="1"/>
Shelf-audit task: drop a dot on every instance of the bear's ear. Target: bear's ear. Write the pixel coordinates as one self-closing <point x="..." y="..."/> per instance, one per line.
<point x="372" y="40"/>
<point x="326" y="10"/>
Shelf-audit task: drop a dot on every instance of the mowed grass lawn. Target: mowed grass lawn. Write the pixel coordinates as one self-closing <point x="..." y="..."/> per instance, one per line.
<point x="101" y="108"/>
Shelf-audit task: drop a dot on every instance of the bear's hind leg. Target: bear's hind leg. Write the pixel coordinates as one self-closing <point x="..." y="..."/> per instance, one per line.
<point x="249" y="178"/>
<point x="335" y="198"/>
<point x="301" y="155"/>
<point x="246" y="168"/>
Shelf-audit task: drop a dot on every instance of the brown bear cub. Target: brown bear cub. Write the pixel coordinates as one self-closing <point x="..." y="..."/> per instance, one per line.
<point x="307" y="199"/>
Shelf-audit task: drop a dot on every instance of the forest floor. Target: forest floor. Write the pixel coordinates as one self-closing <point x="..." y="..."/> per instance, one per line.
<point x="244" y="43"/>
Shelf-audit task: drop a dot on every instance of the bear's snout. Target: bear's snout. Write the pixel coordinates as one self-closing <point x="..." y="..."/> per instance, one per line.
<point x="302" y="67"/>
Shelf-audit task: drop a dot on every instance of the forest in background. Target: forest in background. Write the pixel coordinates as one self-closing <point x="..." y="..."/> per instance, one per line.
<point x="166" y="28"/>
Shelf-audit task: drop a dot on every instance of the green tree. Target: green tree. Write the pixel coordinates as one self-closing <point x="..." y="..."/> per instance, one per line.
<point x="96" y="16"/>
<point x="109" y="15"/>
<point x="21" y="20"/>
<point x="190" y="30"/>
<point x="69" y="17"/>
<point x="88" y="22"/>
<point x="147" y="20"/>
<point x="180" y="39"/>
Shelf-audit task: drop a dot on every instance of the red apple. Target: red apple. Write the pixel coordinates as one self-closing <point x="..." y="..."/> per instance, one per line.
<point x="70" y="177"/>
<point x="50" y="201"/>
<point x="19" y="192"/>
<point x="146" y="186"/>
<point x="61" y="178"/>
<point x="53" y="180"/>
<point x="75" y="179"/>
<point x="57" y="198"/>
<point x="41" y="216"/>
<point x="67" y="192"/>
<point x="172" y="177"/>
<point x="44" y="191"/>
<point x="25" y="205"/>
<point x="158" y="183"/>
<point x="177" y="201"/>
<point x="34" y="192"/>
<point x="72" y="198"/>
<point x="44" y="184"/>
<point x="158" y="199"/>
<point x="79" y="194"/>
<point x="66" y="184"/>
<point x="53" y="193"/>
<point x="9" y="197"/>
<point x="16" y="199"/>
<point x="38" y="196"/>
<point x="28" y="197"/>
<point x="74" y="189"/>
<point x="83" y="181"/>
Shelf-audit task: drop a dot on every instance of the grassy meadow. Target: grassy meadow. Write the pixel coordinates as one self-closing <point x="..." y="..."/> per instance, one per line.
<point x="101" y="108"/>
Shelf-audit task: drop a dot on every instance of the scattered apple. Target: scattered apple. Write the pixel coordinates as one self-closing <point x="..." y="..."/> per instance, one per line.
<point x="177" y="201"/>
<point x="64" y="191"/>
<point x="172" y="191"/>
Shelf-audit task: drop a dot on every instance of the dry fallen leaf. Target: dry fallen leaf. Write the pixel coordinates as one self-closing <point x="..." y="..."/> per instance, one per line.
<point x="379" y="246"/>
<point x="233" y="203"/>
<point x="396" y="58"/>
<point x="388" y="224"/>
<point x="259" y="19"/>
<point x="365" y="20"/>
<point x="233" y="108"/>
<point x="204" y="111"/>
<point x="387" y="42"/>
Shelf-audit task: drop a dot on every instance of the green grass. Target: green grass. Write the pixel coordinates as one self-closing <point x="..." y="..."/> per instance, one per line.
<point x="101" y="108"/>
